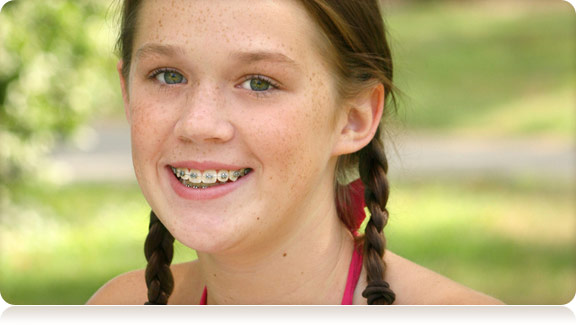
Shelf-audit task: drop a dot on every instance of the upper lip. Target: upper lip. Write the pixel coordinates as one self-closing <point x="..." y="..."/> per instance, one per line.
<point x="205" y="165"/>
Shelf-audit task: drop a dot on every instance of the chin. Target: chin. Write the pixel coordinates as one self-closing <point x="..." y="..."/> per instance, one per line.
<point x="204" y="230"/>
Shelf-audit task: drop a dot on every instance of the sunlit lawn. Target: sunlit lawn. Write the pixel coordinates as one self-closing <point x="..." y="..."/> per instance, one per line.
<point x="490" y="68"/>
<point x="68" y="241"/>
<point x="515" y="241"/>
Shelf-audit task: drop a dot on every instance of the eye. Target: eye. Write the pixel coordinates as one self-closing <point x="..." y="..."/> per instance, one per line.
<point x="258" y="83"/>
<point x="168" y="76"/>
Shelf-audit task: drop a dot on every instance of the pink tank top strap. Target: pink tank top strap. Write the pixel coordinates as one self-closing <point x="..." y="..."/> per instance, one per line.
<point x="204" y="297"/>
<point x="353" y="276"/>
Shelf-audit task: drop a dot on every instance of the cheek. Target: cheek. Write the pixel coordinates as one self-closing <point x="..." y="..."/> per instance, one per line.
<point x="149" y="127"/>
<point x="297" y="139"/>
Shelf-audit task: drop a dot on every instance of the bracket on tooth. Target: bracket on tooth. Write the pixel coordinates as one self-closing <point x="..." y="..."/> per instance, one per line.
<point x="193" y="176"/>
<point x="223" y="176"/>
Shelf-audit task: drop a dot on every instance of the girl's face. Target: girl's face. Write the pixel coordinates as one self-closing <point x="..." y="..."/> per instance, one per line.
<point x="219" y="89"/>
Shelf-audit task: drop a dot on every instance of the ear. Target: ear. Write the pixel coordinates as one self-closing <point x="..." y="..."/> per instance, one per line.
<point x="361" y="120"/>
<point x="124" y="87"/>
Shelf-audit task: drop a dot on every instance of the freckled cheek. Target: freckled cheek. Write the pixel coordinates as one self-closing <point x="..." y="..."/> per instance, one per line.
<point x="288" y="145"/>
<point x="285" y="152"/>
<point x="149" y="129"/>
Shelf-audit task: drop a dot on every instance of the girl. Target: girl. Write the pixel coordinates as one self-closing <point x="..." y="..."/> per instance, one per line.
<point x="248" y="118"/>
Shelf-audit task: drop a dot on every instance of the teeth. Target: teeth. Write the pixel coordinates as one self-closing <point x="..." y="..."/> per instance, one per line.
<point x="223" y="175"/>
<point x="234" y="175"/>
<point x="184" y="173"/>
<point x="195" y="176"/>
<point x="209" y="177"/>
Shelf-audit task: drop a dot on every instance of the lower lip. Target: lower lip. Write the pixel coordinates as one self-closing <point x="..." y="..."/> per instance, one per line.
<point x="202" y="194"/>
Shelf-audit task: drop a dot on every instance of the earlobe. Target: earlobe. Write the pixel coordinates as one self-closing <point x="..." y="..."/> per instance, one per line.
<point x="361" y="121"/>
<point x="124" y="88"/>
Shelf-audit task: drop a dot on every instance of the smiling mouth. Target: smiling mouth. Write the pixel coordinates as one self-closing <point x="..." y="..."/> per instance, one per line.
<point x="197" y="179"/>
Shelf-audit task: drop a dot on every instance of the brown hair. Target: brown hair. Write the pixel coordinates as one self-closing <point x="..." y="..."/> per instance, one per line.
<point x="354" y="31"/>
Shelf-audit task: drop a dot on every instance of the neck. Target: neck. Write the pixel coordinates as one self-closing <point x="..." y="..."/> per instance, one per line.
<point x="310" y="266"/>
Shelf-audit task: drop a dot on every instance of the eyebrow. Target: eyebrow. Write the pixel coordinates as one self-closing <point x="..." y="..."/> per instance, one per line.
<point x="158" y="49"/>
<point x="254" y="57"/>
<point x="244" y="57"/>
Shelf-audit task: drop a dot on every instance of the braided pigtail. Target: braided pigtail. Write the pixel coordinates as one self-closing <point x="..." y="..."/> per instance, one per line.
<point x="373" y="167"/>
<point x="159" y="250"/>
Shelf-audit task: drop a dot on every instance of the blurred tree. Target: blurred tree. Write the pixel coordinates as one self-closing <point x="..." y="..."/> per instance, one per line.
<point x="57" y="68"/>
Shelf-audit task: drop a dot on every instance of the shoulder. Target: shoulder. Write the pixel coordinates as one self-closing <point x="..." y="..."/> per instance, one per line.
<point x="417" y="285"/>
<point x="130" y="288"/>
<point x="126" y="289"/>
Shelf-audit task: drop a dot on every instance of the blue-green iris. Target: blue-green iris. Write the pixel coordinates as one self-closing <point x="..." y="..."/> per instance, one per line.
<point x="259" y="85"/>
<point x="173" y="77"/>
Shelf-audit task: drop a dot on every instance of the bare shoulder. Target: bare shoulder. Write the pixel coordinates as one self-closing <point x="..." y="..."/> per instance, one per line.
<point x="417" y="285"/>
<point x="126" y="289"/>
<point x="130" y="288"/>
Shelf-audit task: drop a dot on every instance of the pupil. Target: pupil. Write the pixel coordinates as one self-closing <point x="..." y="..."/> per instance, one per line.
<point x="259" y="85"/>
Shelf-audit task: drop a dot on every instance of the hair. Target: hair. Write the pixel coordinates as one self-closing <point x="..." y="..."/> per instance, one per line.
<point x="159" y="250"/>
<point x="353" y="31"/>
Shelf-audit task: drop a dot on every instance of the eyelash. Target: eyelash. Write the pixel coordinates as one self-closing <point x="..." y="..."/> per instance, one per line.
<point x="273" y="85"/>
<point x="156" y="72"/>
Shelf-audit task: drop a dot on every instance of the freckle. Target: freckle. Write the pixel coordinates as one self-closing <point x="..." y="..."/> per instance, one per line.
<point x="284" y="255"/>
<point x="258" y="218"/>
<point x="214" y="274"/>
<point x="301" y="273"/>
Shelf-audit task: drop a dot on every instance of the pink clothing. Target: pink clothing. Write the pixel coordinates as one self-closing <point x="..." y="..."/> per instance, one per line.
<point x="351" y="282"/>
<point x="353" y="275"/>
<point x="204" y="297"/>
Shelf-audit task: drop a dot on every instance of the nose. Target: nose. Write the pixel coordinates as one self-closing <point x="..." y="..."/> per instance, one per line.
<point x="203" y="118"/>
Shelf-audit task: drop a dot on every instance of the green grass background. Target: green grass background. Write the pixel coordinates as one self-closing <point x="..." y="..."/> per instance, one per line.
<point x="484" y="69"/>
<point x="512" y="240"/>
<point x="487" y="68"/>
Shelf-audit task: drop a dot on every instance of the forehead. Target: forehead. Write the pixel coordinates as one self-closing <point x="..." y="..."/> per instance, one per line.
<point x="221" y="26"/>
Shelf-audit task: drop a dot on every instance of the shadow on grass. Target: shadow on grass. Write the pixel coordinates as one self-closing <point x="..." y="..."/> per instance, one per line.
<point x="53" y="290"/>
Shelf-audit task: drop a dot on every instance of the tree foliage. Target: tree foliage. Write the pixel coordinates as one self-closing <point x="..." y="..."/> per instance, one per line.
<point x="57" y="68"/>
